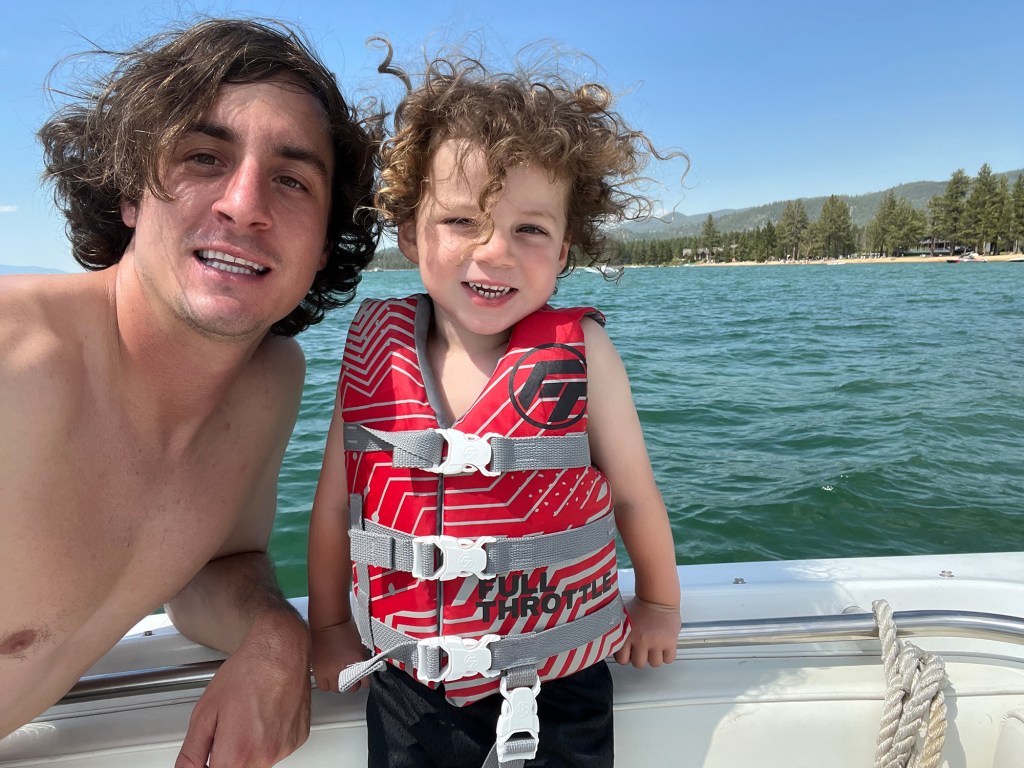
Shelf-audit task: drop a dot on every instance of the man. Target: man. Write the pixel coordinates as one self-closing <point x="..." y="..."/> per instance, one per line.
<point x="213" y="182"/>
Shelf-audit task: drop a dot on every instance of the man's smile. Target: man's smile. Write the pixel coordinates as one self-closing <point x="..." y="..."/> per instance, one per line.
<point x="227" y="263"/>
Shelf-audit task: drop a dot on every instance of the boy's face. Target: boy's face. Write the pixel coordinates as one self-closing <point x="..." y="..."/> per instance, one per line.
<point x="486" y="288"/>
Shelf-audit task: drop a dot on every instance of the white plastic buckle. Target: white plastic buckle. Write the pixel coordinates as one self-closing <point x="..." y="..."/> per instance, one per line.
<point x="466" y="453"/>
<point x="465" y="656"/>
<point x="459" y="558"/>
<point x="518" y="718"/>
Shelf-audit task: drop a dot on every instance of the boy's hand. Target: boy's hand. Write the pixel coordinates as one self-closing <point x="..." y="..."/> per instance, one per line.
<point x="335" y="648"/>
<point x="654" y="634"/>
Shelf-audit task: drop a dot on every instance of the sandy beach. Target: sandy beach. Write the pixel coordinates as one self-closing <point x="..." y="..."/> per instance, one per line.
<point x="865" y="260"/>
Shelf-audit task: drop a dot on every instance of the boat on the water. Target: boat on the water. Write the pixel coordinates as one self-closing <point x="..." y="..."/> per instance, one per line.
<point x="778" y="664"/>
<point x="967" y="257"/>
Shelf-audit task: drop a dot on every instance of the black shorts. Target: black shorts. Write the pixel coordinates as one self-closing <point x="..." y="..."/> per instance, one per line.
<point x="412" y="726"/>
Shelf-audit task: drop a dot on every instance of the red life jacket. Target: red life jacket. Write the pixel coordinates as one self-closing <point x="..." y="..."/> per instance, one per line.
<point x="533" y="405"/>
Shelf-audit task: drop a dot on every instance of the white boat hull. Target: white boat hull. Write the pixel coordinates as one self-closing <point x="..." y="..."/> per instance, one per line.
<point x="804" y="704"/>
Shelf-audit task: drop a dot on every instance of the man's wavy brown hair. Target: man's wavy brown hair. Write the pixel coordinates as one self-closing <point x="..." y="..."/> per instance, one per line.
<point x="106" y="145"/>
<point x="522" y="117"/>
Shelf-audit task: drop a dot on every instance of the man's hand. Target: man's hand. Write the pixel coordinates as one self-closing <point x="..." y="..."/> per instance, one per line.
<point x="255" y="712"/>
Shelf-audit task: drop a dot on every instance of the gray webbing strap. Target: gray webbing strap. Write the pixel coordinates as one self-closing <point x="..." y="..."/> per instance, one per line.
<point x="424" y="449"/>
<point x="385" y="547"/>
<point x="508" y="651"/>
<point x="518" y="729"/>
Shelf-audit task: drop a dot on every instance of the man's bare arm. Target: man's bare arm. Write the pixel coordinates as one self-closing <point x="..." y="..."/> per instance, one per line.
<point x="255" y="711"/>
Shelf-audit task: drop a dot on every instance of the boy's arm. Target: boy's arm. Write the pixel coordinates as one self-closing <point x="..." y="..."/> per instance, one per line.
<point x="336" y="641"/>
<point x="617" y="448"/>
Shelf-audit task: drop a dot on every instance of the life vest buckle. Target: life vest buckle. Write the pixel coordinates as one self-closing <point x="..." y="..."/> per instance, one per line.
<point x="458" y="558"/>
<point x="462" y="657"/>
<point x="466" y="454"/>
<point x="518" y="720"/>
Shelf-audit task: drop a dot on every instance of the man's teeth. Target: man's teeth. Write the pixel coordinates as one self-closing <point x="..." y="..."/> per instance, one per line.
<point x="227" y="263"/>
<point x="490" y="291"/>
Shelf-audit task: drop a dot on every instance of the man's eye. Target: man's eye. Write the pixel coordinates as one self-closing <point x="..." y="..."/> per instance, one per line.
<point x="203" y="158"/>
<point x="291" y="182"/>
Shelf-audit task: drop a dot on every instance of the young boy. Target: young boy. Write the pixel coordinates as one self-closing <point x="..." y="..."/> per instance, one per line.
<point x="484" y="447"/>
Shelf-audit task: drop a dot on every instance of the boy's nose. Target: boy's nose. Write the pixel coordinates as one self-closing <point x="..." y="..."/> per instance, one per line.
<point x="496" y="251"/>
<point x="245" y="198"/>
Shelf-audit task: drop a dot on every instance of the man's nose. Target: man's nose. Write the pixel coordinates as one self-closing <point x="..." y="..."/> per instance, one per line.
<point x="245" y="198"/>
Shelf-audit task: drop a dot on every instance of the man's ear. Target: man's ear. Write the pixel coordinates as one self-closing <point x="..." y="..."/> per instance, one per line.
<point x="129" y="213"/>
<point x="323" y="259"/>
<point x="407" y="241"/>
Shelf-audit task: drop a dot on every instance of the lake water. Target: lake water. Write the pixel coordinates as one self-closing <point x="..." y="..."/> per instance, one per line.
<point x="790" y="411"/>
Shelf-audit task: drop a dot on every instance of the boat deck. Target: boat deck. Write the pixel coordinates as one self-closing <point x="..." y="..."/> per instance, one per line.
<point x="737" y="695"/>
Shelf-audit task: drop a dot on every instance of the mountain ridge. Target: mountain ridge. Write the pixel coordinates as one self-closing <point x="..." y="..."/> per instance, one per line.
<point x="862" y="209"/>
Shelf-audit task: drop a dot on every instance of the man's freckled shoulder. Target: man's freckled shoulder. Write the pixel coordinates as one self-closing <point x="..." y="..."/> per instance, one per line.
<point x="30" y="336"/>
<point x="277" y="374"/>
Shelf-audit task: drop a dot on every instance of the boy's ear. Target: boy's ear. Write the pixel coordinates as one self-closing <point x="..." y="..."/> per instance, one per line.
<point x="563" y="255"/>
<point x="407" y="241"/>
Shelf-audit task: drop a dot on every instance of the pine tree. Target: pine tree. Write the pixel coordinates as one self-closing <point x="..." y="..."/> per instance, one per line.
<point x="881" y="229"/>
<point x="710" y="237"/>
<point x="835" y="235"/>
<point x="794" y="228"/>
<point x="951" y="217"/>
<point x="982" y="210"/>
<point x="1017" y="220"/>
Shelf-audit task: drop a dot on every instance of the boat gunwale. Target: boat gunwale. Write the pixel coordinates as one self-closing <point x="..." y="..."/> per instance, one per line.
<point x="802" y="630"/>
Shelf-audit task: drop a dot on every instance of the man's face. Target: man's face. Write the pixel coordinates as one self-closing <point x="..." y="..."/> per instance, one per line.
<point x="238" y="245"/>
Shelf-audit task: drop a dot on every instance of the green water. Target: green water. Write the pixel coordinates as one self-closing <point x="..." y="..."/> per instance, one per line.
<point x="790" y="411"/>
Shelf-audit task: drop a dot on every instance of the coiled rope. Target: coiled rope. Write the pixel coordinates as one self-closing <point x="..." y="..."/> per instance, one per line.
<point x="913" y="726"/>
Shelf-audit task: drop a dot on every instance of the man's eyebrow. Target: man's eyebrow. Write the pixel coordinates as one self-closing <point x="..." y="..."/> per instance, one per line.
<point x="288" y="151"/>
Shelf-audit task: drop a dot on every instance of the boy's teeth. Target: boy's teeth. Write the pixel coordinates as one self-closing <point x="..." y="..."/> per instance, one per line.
<point x="227" y="263"/>
<point x="490" y="291"/>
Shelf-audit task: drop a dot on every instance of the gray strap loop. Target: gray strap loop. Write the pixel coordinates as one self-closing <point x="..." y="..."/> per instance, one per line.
<point x="385" y="547"/>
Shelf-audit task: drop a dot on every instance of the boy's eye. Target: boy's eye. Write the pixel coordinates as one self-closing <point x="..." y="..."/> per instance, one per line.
<point x="532" y="229"/>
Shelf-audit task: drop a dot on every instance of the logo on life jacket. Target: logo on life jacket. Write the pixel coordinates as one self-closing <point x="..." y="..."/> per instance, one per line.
<point x="548" y="386"/>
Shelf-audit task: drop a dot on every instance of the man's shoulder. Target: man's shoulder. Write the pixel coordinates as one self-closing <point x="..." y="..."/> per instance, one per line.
<point x="43" y="320"/>
<point x="282" y="356"/>
<point x="276" y="374"/>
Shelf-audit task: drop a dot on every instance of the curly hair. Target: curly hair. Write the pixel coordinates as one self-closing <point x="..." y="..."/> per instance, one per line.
<point x="520" y="117"/>
<point x="105" y="147"/>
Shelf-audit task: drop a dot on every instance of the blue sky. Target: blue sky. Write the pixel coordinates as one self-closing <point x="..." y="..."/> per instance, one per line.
<point x="771" y="100"/>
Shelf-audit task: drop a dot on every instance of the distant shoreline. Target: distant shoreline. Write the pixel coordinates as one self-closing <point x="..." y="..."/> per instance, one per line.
<point x="864" y="260"/>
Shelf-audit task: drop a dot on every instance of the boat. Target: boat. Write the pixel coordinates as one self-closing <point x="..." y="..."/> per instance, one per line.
<point x="786" y="663"/>
<point x="606" y="270"/>
<point x="967" y="257"/>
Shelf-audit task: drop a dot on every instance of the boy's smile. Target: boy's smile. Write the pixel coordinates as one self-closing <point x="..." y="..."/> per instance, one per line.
<point x="479" y="287"/>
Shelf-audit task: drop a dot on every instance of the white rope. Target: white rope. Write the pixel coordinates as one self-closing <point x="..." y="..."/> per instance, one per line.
<point x="913" y="726"/>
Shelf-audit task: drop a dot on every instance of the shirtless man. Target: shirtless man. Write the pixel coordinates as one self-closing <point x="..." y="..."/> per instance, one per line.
<point x="209" y="182"/>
